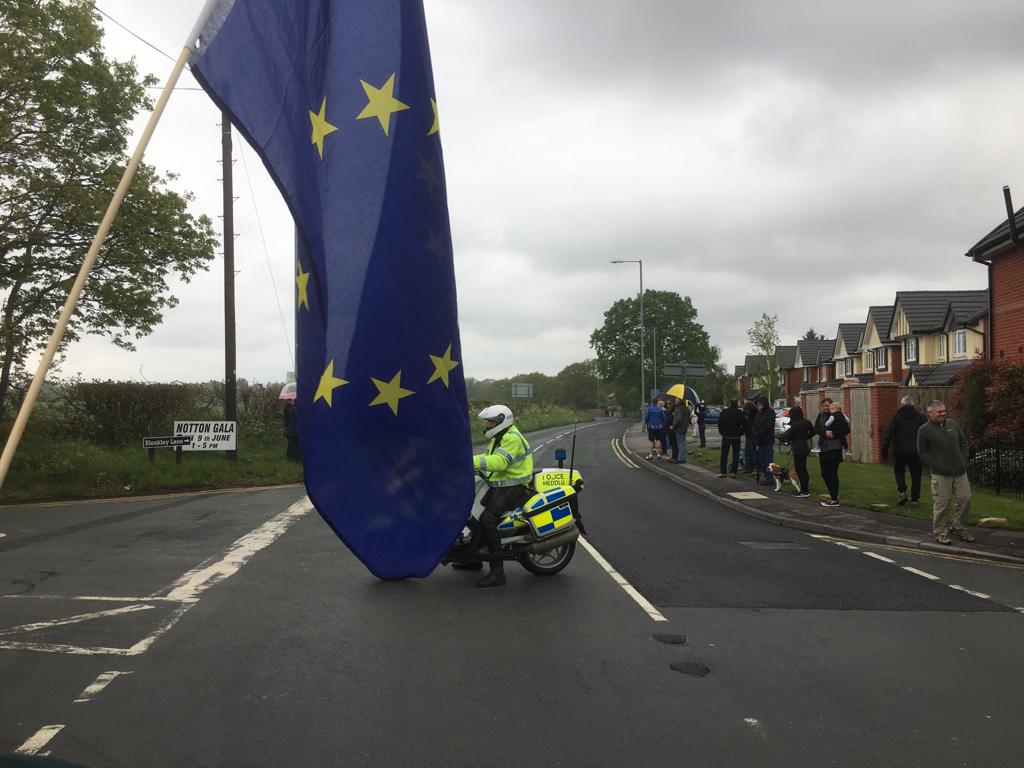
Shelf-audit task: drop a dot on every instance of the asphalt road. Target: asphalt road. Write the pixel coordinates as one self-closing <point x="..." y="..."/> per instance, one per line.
<point x="233" y="629"/>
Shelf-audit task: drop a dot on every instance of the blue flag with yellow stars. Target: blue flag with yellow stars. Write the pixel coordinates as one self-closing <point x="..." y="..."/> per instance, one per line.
<point x="337" y="97"/>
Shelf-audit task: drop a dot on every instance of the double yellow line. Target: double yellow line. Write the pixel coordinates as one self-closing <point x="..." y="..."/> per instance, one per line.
<point x="621" y="455"/>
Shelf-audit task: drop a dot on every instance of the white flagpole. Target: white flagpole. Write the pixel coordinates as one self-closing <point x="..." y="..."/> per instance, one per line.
<point x="90" y="260"/>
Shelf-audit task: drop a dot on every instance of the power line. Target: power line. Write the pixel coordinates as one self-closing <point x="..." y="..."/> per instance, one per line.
<point x="266" y="253"/>
<point x="133" y="34"/>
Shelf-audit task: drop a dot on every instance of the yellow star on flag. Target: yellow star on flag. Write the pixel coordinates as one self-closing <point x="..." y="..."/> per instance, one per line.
<point x="320" y="127"/>
<point x="328" y="384"/>
<point x="436" y="126"/>
<point x="381" y="103"/>
<point x="302" y="281"/>
<point x="390" y="392"/>
<point x="443" y="366"/>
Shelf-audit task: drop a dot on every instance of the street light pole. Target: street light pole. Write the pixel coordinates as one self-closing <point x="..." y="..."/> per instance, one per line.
<point x="643" y="362"/>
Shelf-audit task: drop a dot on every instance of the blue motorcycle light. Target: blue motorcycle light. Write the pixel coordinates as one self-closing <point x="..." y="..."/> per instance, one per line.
<point x="560" y="454"/>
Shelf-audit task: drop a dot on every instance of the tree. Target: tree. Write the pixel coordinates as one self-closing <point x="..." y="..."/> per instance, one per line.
<point x="718" y="387"/>
<point x="764" y="338"/>
<point x="670" y="321"/>
<point x="812" y="335"/>
<point x="580" y="385"/>
<point x="64" y="119"/>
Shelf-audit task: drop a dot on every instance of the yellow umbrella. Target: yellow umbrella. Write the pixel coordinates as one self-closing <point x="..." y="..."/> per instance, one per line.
<point x="677" y="391"/>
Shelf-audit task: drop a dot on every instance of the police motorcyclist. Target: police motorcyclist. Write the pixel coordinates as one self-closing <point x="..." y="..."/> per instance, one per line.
<point x="507" y="467"/>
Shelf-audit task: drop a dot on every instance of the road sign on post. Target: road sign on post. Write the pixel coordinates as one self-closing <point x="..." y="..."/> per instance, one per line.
<point x="522" y="390"/>
<point x="207" y="435"/>
<point x="685" y="370"/>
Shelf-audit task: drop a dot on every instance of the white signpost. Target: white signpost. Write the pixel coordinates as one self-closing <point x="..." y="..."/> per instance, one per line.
<point x="207" y="435"/>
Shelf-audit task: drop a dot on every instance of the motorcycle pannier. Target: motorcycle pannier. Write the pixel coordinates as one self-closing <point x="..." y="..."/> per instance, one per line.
<point x="549" y="512"/>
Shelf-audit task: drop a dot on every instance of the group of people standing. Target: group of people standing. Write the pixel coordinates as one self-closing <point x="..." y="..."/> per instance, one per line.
<point x="756" y="423"/>
<point x="667" y="422"/>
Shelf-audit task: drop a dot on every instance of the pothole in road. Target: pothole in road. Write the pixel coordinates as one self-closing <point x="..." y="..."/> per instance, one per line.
<point x="668" y="639"/>
<point x="692" y="668"/>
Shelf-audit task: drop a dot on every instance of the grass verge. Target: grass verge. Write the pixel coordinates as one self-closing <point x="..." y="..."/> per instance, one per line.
<point x="861" y="485"/>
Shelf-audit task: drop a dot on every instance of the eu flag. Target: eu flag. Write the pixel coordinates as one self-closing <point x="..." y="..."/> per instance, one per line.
<point x="337" y="97"/>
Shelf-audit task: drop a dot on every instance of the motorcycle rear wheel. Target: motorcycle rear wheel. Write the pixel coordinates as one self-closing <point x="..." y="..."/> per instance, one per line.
<point x="548" y="563"/>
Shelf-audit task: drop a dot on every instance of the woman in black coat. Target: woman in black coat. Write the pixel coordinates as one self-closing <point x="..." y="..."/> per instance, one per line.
<point x="799" y="435"/>
<point x="832" y="440"/>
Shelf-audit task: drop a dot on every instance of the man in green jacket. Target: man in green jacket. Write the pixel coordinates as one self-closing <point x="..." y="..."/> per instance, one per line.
<point x="507" y="467"/>
<point x="942" y="446"/>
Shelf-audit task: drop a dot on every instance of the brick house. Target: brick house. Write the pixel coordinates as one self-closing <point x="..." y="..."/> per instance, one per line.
<point x="808" y="357"/>
<point x="880" y="356"/>
<point x="940" y="332"/>
<point x="1005" y="261"/>
<point x="788" y="374"/>
<point x="848" y="362"/>
<point x="826" y="363"/>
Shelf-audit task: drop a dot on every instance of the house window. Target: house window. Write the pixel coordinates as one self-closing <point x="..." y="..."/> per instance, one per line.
<point x="848" y="366"/>
<point x="806" y="376"/>
<point x="940" y="347"/>
<point x="869" y="360"/>
<point x="910" y="350"/>
<point x="960" y="343"/>
<point x="882" y="359"/>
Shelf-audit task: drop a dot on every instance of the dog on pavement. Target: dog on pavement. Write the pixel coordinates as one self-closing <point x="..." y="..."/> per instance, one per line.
<point x="781" y="474"/>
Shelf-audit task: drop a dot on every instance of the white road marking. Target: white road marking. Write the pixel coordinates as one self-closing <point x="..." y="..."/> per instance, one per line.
<point x="202" y="577"/>
<point x="73" y="619"/>
<point x="880" y="557"/>
<point x="39" y="740"/>
<point x="920" y="573"/>
<point x="982" y="595"/>
<point x="184" y="592"/>
<point x="2" y="535"/>
<point x="100" y="598"/>
<point x="747" y="495"/>
<point x="97" y="685"/>
<point x="629" y="589"/>
<point x="757" y="725"/>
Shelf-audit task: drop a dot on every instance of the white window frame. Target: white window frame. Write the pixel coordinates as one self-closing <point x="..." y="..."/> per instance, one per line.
<point x="960" y="343"/>
<point x="848" y="366"/>
<point x="882" y="354"/>
<point x="807" y="375"/>
<point x="941" y="342"/>
<point x="910" y="350"/>
<point x="869" y="361"/>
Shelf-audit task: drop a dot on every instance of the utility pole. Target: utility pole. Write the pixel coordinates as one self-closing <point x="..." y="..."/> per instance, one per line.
<point x="230" y="384"/>
<point x="654" y="332"/>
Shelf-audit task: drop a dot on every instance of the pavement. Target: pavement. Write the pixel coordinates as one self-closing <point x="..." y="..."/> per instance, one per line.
<point x="783" y="508"/>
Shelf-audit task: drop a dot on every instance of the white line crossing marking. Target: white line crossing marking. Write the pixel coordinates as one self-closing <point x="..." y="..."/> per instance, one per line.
<point x="39" y="740"/>
<point x="99" y="598"/>
<point x="920" y="573"/>
<point x="880" y="557"/>
<point x="629" y="589"/>
<point x="73" y="619"/>
<point x="97" y="685"/>
<point x="184" y="592"/>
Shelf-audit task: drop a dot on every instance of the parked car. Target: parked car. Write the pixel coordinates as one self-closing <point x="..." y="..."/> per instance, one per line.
<point x="711" y="417"/>
<point x="781" y="420"/>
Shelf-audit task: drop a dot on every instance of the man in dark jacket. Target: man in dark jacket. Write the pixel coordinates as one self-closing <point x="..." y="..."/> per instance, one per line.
<point x="901" y="435"/>
<point x="942" y="445"/>
<point x="799" y="436"/>
<point x="764" y="438"/>
<point x="702" y="413"/>
<point x="732" y="425"/>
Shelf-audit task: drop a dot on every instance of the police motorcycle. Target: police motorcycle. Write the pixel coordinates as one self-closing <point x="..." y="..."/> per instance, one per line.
<point x="541" y="534"/>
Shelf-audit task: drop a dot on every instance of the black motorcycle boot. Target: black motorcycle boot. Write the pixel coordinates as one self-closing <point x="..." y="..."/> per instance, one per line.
<point x="495" y="577"/>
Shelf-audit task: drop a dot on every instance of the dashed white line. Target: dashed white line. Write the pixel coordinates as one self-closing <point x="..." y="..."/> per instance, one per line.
<point x="919" y="573"/>
<point x="879" y="557"/>
<point x="628" y="588"/>
<point x="39" y="740"/>
<point x="97" y="685"/>
<point x="982" y="595"/>
<point x="96" y="598"/>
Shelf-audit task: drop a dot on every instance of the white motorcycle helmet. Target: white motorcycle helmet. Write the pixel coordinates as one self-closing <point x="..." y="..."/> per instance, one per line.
<point x="501" y="414"/>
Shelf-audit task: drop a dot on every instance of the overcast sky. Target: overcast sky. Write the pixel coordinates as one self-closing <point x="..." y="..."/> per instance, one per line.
<point x="804" y="159"/>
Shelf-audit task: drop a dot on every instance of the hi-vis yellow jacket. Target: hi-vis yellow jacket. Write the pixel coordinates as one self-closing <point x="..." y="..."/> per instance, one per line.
<point x="508" y="460"/>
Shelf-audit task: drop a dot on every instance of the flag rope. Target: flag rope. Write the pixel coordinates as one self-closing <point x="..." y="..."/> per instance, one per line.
<point x="83" y="274"/>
